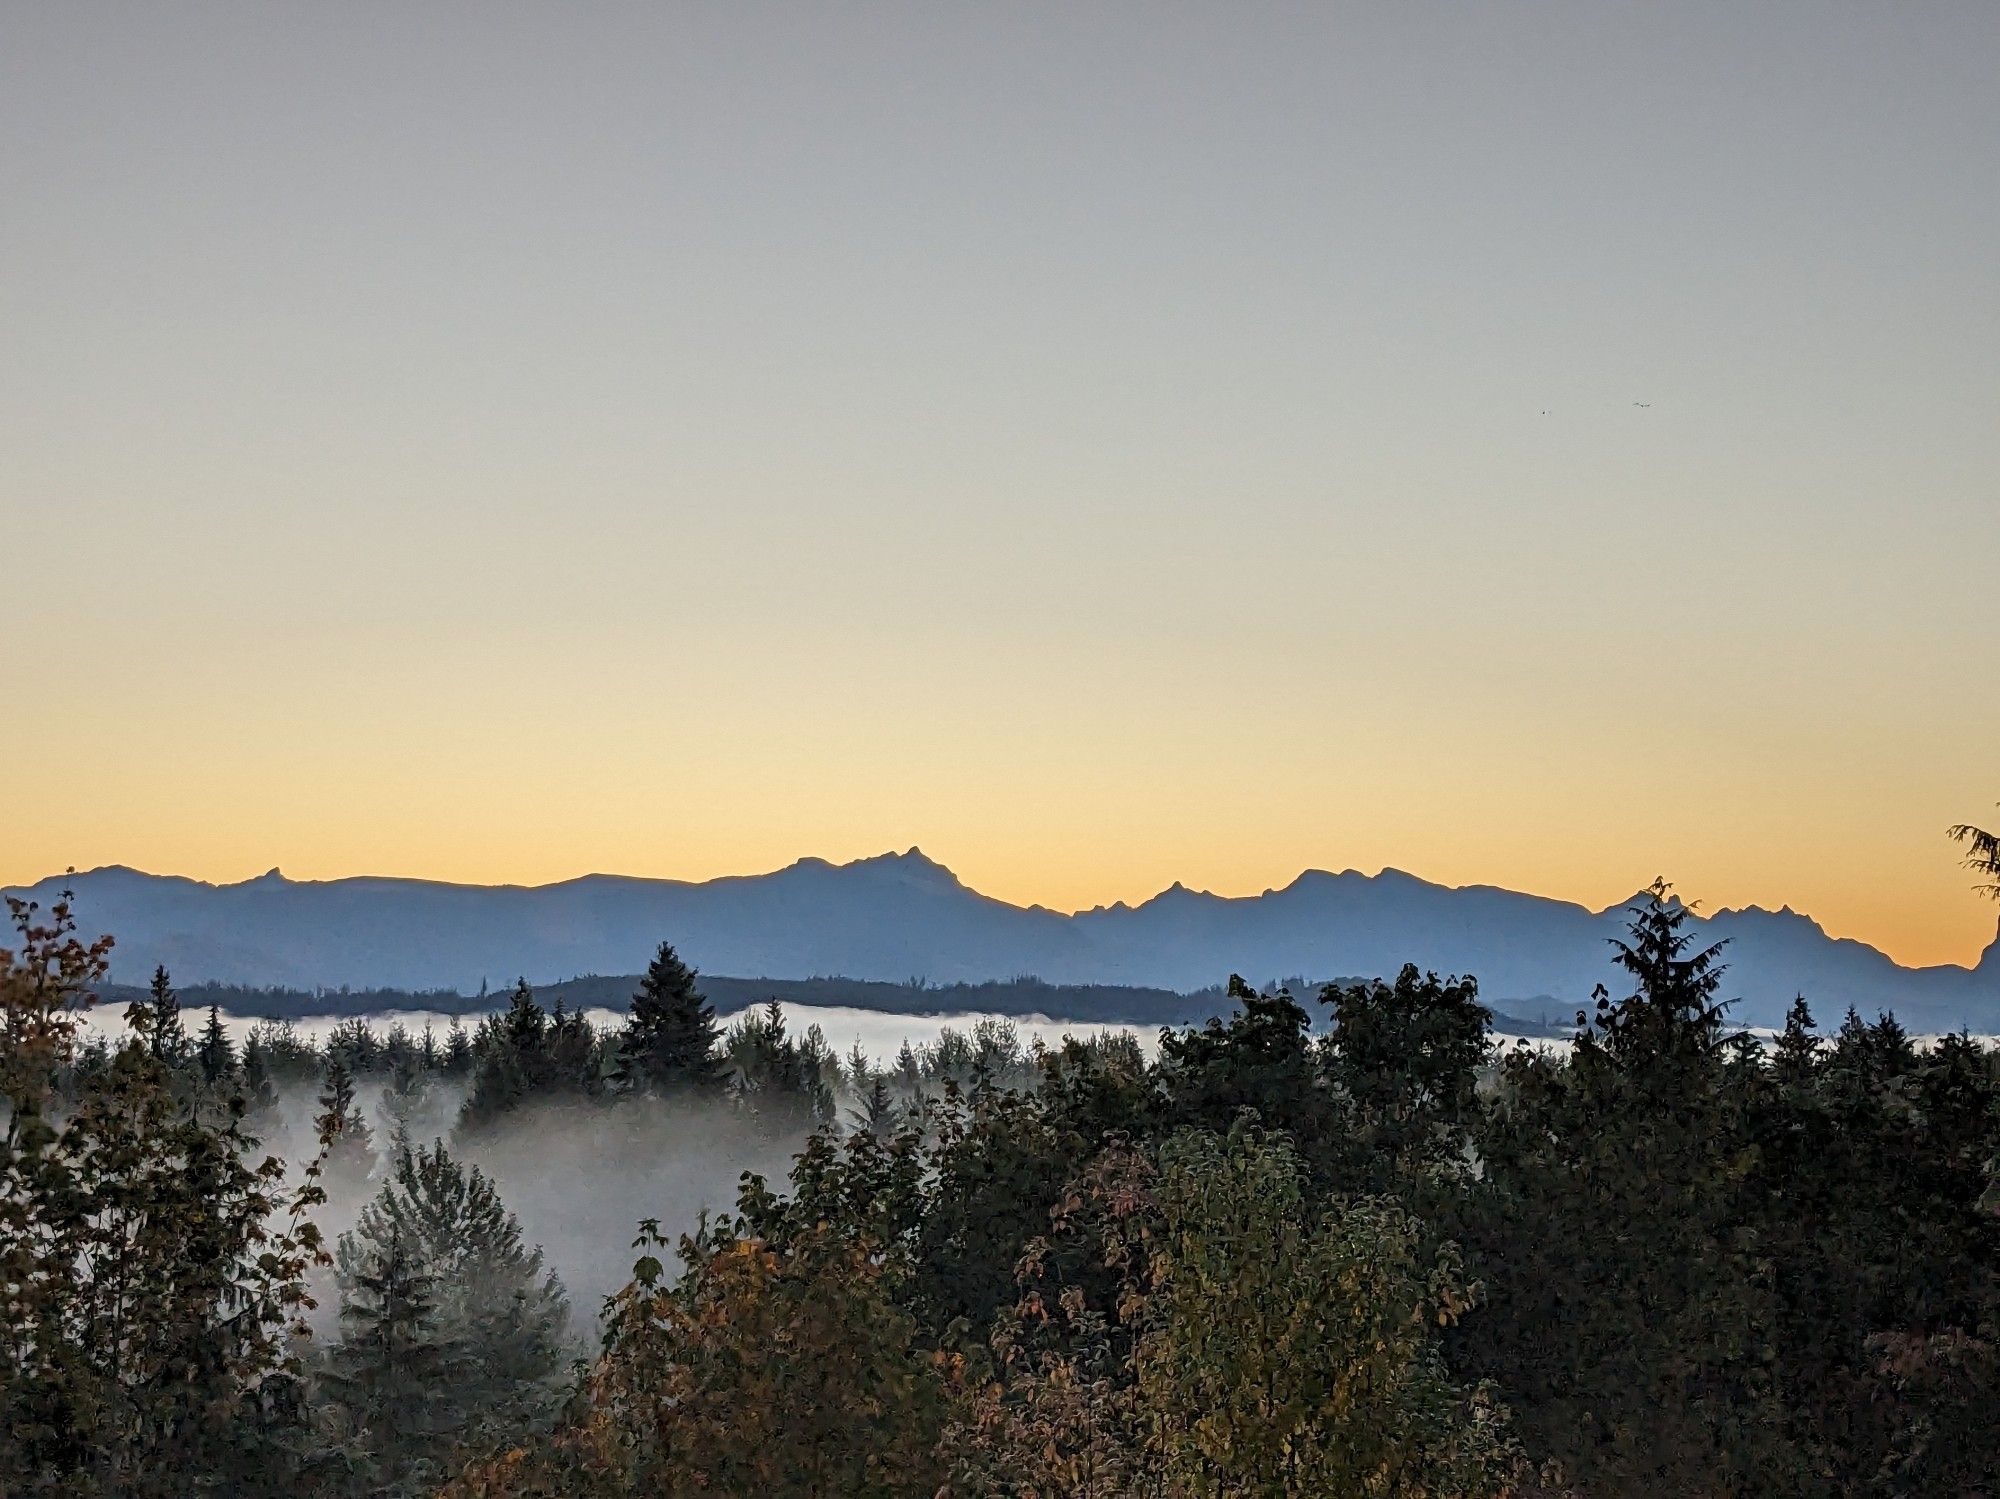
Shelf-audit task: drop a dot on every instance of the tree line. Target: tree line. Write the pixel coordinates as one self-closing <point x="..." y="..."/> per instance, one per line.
<point x="1321" y="1246"/>
<point x="1021" y="997"/>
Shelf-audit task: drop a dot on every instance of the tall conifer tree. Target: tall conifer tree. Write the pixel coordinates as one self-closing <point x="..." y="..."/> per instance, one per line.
<point x="351" y="1155"/>
<point x="165" y="1035"/>
<point x="216" y="1052"/>
<point x="671" y="1040"/>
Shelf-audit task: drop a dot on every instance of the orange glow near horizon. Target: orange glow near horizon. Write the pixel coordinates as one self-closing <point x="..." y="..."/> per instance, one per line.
<point x="1104" y="447"/>
<point x="1916" y="905"/>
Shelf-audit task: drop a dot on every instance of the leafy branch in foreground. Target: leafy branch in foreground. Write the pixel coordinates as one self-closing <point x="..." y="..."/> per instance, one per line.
<point x="155" y="1276"/>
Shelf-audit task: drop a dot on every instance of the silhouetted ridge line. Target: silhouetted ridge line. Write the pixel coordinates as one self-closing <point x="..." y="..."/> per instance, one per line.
<point x="902" y="916"/>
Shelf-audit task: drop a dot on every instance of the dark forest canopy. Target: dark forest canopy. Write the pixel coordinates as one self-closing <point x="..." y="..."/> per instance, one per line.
<point x="1322" y="1244"/>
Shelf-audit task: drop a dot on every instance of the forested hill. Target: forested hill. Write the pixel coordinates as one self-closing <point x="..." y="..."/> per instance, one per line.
<point x="1103" y="1003"/>
<point x="888" y="920"/>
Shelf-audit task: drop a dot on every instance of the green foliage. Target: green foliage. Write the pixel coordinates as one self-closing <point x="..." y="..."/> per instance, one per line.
<point x="671" y="1038"/>
<point x="1630" y="1317"/>
<point x="215" y="1053"/>
<point x="458" y="1055"/>
<point x="452" y="1330"/>
<point x="159" y="1020"/>
<point x="1982" y="854"/>
<point x="1362" y="1261"/>
<point x="1406" y="1057"/>
<point x="1264" y="1059"/>
<point x="788" y="1372"/>
<point x="531" y="1055"/>
<point x="405" y="1095"/>
<point x="877" y="1112"/>
<point x="1250" y="1343"/>
<point x="387" y="1382"/>
<point x="155" y="1278"/>
<point x="1697" y="1255"/>
<point x="1293" y="1351"/>
<point x="784" y="1082"/>
<point x="351" y="1156"/>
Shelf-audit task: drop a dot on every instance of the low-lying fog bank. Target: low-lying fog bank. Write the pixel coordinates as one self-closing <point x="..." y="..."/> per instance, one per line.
<point x="580" y="1178"/>
<point x="880" y="1034"/>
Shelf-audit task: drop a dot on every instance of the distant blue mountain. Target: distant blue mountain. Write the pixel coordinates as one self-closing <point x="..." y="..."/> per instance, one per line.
<point x="903" y="916"/>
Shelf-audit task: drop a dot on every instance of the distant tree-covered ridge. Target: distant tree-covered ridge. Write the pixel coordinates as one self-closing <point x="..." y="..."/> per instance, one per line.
<point x="1318" y="1245"/>
<point x="1021" y="998"/>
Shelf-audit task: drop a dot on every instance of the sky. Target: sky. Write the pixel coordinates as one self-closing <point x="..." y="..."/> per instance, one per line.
<point x="1544" y="445"/>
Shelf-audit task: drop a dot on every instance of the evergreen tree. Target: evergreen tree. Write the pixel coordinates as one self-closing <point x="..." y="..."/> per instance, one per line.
<point x="572" y="1068"/>
<point x="1982" y="855"/>
<point x="951" y="1059"/>
<point x="858" y="1069"/>
<point x="1796" y="1055"/>
<point x="909" y="1069"/>
<point x="877" y="1114"/>
<point x="1672" y="1018"/>
<point x="1631" y="1316"/>
<point x="1894" y="1053"/>
<point x="352" y="1154"/>
<point x="166" y="1036"/>
<point x="671" y="1038"/>
<point x="390" y="1377"/>
<point x="403" y="1100"/>
<point x="399" y="1047"/>
<point x="260" y="1088"/>
<point x="289" y="1057"/>
<point x="353" y="1043"/>
<point x="458" y="1058"/>
<point x="779" y="1079"/>
<point x="507" y="1058"/>
<point x="435" y="1277"/>
<point x="527" y="1055"/>
<point x="216" y="1053"/>
<point x="154" y="1275"/>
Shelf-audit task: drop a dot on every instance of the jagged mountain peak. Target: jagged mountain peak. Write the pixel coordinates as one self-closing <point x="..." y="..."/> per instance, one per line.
<point x="913" y="864"/>
<point x="895" y="914"/>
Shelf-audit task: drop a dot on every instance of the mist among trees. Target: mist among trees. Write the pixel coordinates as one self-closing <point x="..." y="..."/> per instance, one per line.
<point x="1326" y="1244"/>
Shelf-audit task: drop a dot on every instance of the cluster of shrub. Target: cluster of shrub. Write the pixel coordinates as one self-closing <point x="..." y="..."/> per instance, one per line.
<point x="1356" y="1253"/>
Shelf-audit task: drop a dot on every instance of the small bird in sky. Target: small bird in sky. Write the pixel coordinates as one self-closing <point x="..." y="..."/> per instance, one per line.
<point x="1642" y="403"/>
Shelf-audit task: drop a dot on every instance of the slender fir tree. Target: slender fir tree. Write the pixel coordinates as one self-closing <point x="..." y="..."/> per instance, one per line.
<point x="457" y="1050"/>
<point x="216" y="1053"/>
<point x="351" y="1155"/>
<point x="260" y="1087"/>
<point x="166" y="1037"/>
<point x="403" y="1100"/>
<point x="877" y="1112"/>
<point x="390" y="1377"/>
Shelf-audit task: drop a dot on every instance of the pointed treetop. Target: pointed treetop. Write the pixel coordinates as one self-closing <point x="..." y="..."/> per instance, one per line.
<point x="671" y="1039"/>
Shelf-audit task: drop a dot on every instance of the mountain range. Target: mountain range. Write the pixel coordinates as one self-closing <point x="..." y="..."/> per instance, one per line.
<point x="903" y="917"/>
